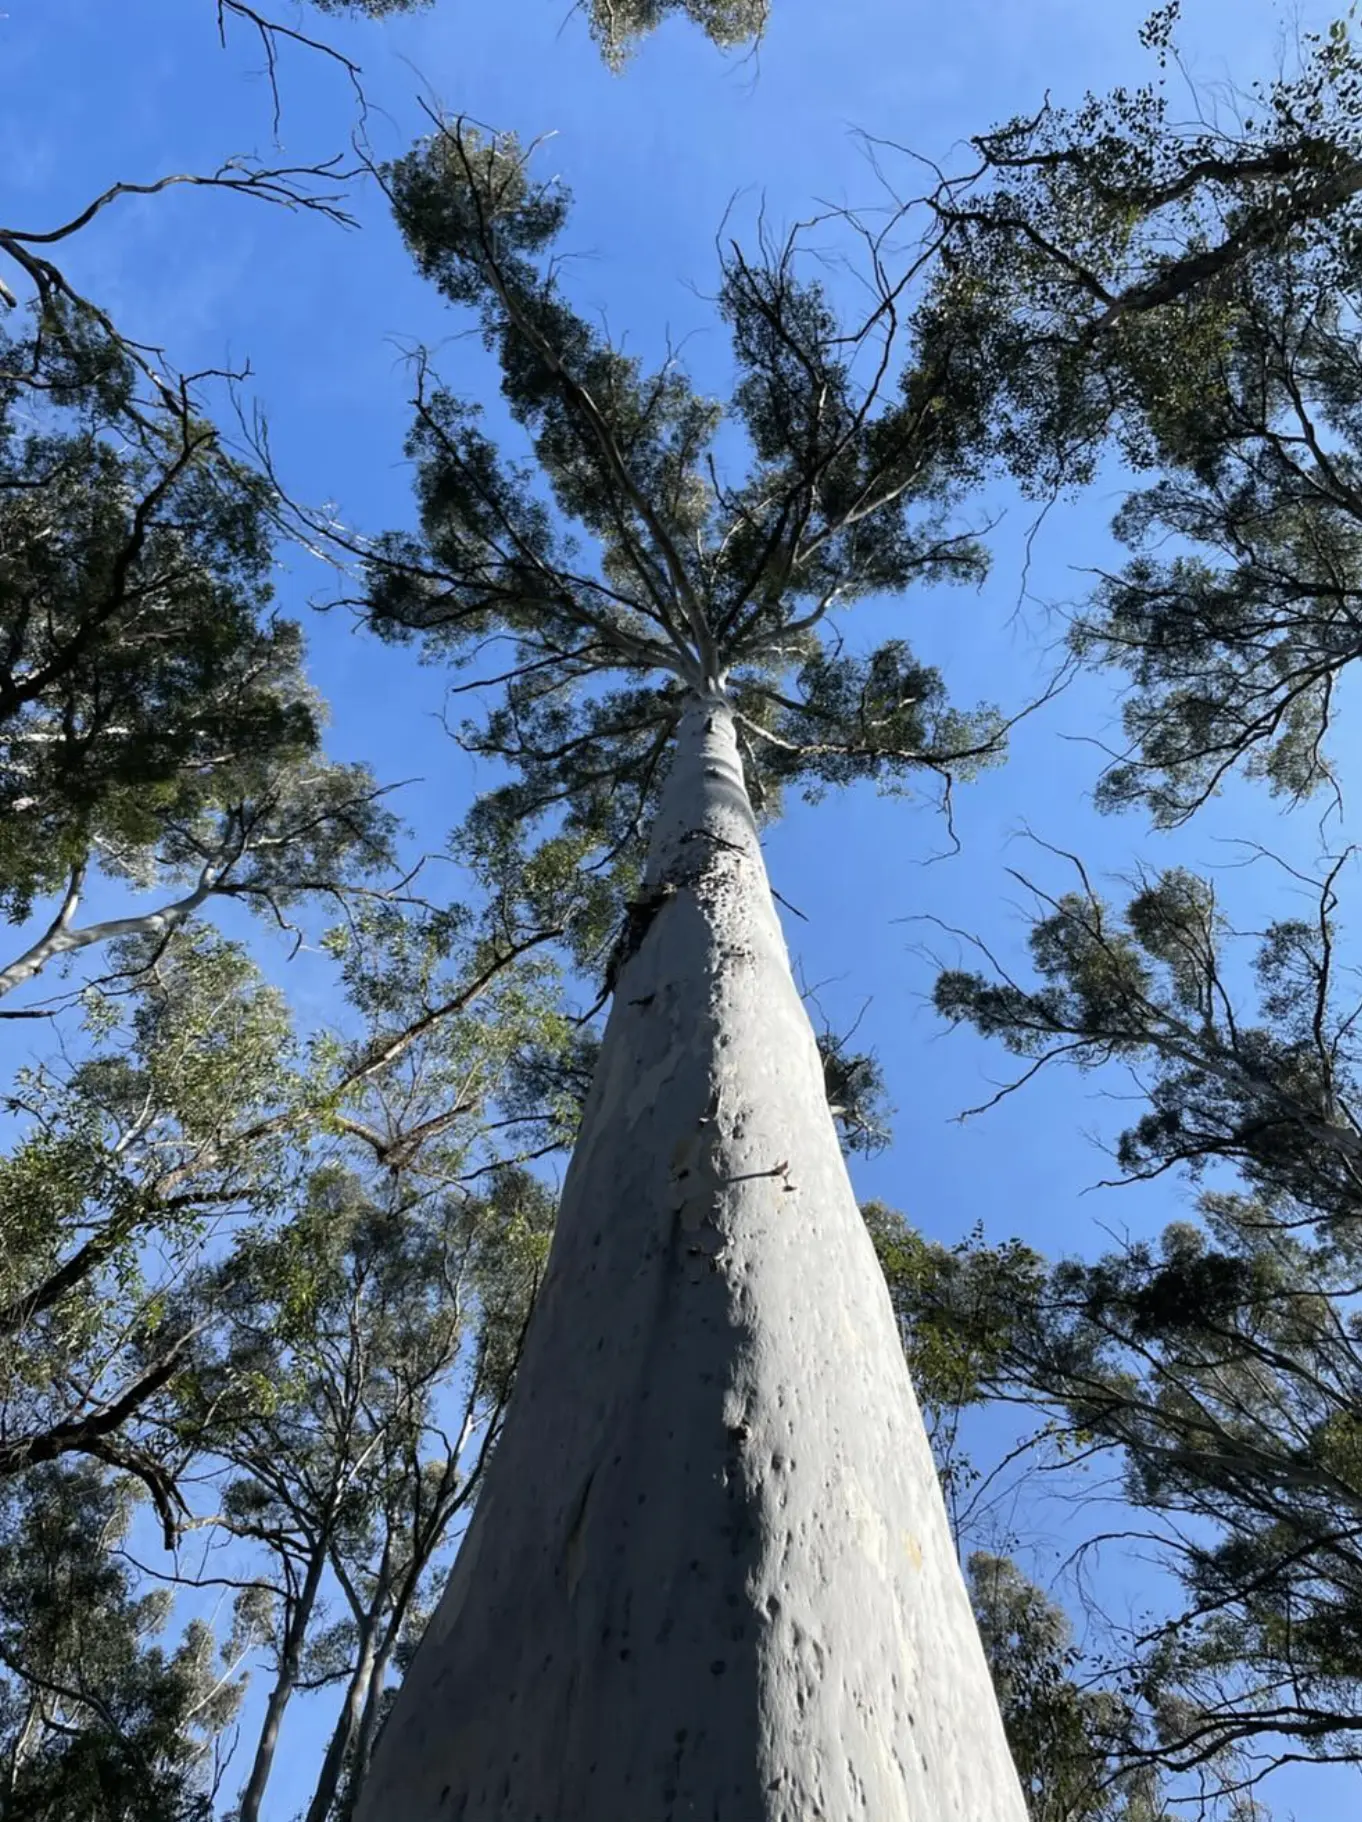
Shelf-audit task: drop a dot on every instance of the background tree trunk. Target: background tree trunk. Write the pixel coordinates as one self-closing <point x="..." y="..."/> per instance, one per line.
<point x="348" y="1721"/>
<point x="710" y="1573"/>
<point x="289" y="1658"/>
<point x="369" y="1728"/>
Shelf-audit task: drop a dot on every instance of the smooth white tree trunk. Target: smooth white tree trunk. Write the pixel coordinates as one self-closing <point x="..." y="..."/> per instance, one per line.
<point x="710" y="1574"/>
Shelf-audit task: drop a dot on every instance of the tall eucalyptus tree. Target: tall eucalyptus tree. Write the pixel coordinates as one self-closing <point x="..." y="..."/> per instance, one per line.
<point x="710" y="1572"/>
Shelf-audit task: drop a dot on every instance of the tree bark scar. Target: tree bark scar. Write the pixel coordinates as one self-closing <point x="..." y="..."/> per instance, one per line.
<point x="574" y="1551"/>
<point x="638" y="919"/>
<point x="719" y="841"/>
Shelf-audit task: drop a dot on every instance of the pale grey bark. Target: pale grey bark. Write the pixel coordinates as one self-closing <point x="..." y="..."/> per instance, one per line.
<point x="369" y="1727"/>
<point x="710" y="1573"/>
<point x="60" y="939"/>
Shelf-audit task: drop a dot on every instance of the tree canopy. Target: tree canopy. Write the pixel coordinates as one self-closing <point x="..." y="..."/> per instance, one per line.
<point x="628" y="566"/>
<point x="1185" y="297"/>
<point x="95" y="1718"/>
<point x="1219" y="1363"/>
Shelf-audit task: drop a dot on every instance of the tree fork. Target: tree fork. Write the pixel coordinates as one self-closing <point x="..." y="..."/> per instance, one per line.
<point x="710" y="1574"/>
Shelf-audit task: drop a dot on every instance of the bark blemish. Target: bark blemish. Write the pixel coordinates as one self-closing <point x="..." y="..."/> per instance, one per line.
<point x="574" y="1554"/>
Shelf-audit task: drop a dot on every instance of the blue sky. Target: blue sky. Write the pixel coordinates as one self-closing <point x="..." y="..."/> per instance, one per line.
<point x="94" y="90"/>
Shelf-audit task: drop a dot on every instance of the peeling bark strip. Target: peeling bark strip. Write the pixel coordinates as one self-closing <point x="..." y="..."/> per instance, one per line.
<point x="710" y="1575"/>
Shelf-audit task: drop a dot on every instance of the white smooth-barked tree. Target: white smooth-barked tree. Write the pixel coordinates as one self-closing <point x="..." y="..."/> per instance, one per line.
<point x="710" y="1574"/>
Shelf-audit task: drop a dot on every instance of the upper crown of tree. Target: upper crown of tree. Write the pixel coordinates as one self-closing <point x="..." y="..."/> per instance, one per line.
<point x="629" y="552"/>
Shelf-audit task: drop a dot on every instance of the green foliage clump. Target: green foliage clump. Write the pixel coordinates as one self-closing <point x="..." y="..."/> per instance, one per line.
<point x="96" y="1720"/>
<point x="1184" y="298"/>
<point x="1221" y="1365"/>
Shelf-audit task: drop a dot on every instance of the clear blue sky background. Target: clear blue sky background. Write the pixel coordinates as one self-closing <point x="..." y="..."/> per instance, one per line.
<point x="96" y="89"/>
